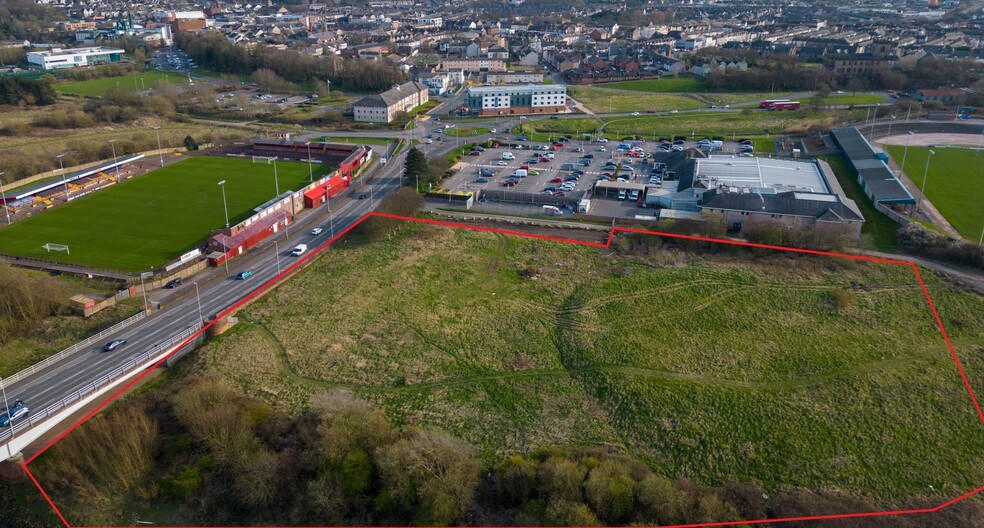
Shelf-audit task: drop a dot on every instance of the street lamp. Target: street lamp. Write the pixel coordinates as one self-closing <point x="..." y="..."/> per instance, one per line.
<point x="144" y="289"/>
<point x="276" y="249"/>
<point x="112" y="143"/>
<point x="64" y="181"/>
<point x="198" y="298"/>
<point x="3" y="389"/>
<point x="890" y="127"/>
<point x="160" y="151"/>
<point x="310" y="170"/>
<point x="905" y="153"/>
<point x="922" y="192"/>
<point x="3" y="196"/>
<point x="225" y="206"/>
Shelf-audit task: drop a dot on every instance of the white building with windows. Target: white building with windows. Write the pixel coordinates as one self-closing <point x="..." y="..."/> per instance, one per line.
<point x="517" y="100"/>
<point x="58" y="58"/>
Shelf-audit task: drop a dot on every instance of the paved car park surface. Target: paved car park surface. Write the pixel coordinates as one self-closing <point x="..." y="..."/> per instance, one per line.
<point x="496" y="168"/>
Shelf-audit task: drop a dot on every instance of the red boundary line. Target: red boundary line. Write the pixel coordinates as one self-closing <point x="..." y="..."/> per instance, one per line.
<point x="266" y="285"/>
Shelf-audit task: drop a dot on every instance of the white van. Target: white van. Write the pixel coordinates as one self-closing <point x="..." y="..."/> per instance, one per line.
<point x="508" y="156"/>
<point x="717" y="144"/>
<point x="519" y="173"/>
<point x="299" y="250"/>
<point x="621" y="194"/>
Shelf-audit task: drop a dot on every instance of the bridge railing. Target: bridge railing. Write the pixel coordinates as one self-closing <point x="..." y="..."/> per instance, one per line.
<point x="140" y="361"/>
<point x="74" y="348"/>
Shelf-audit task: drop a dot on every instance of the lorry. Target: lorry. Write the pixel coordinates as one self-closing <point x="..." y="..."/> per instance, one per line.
<point x="299" y="250"/>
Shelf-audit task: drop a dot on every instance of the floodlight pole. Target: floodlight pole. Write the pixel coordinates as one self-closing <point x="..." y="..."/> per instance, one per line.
<point x="112" y="143"/>
<point x="64" y="181"/>
<point x="3" y="195"/>
<point x="276" y="179"/>
<point x="310" y="170"/>
<point x="905" y="152"/>
<point x="160" y="151"/>
<point x="922" y="191"/>
<point x="225" y="206"/>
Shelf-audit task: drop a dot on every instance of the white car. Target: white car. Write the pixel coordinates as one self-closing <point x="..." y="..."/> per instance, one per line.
<point x="600" y="149"/>
<point x="316" y="231"/>
<point x="674" y="111"/>
<point x="491" y="131"/>
<point x="635" y="113"/>
<point x="501" y="163"/>
<point x="602" y="140"/>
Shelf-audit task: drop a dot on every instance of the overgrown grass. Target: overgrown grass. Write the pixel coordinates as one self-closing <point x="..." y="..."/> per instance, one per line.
<point x="880" y="228"/>
<point x="776" y="370"/>
<point x="135" y="82"/>
<point x="606" y="100"/>
<point x="848" y="99"/>
<point x="664" y="85"/>
<point x="152" y="219"/>
<point x="714" y="123"/>
<point x="955" y="184"/>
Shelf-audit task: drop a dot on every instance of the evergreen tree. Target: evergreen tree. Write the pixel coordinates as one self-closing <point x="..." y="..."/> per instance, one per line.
<point x="415" y="166"/>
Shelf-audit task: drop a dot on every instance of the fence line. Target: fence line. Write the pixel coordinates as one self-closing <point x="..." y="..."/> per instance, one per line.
<point x="36" y="417"/>
<point x="74" y="348"/>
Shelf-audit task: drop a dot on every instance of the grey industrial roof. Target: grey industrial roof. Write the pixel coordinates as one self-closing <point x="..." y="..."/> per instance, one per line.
<point x="813" y="205"/>
<point x="879" y="181"/>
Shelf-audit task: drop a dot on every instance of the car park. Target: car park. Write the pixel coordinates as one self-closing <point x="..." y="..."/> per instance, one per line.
<point x="113" y="345"/>
<point x="18" y="411"/>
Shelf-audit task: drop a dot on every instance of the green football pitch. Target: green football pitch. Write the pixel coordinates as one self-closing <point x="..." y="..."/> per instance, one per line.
<point x="154" y="218"/>
<point x="134" y="82"/>
<point x="954" y="183"/>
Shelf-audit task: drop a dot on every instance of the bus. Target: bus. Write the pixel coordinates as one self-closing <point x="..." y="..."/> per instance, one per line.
<point x="785" y="105"/>
<point x="769" y="102"/>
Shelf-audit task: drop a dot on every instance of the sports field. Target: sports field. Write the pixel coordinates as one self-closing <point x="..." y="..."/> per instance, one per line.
<point x="955" y="184"/>
<point x="152" y="219"/>
<point x="782" y="370"/>
<point x="135" y="82"/>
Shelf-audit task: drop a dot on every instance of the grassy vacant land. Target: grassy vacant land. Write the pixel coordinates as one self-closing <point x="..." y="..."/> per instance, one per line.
<point x="664" y="85"/>
<point x="785" y="370"/>
<point x="134" y="82"/>
<point x="714" y="123"/>
<point x="152" y="219"/>
<point x="955" y="184"/>
<point x="44" y="143"/>
<point x="847" y="99"/>
<point x="606" y="100"/>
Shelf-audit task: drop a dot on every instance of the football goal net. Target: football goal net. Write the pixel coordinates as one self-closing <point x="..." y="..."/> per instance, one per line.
<point x="57" y="247"/>
<point x="259" y="159"/>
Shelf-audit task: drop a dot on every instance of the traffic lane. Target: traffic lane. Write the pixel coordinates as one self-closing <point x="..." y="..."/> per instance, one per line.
<point x="80" y="369"/>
